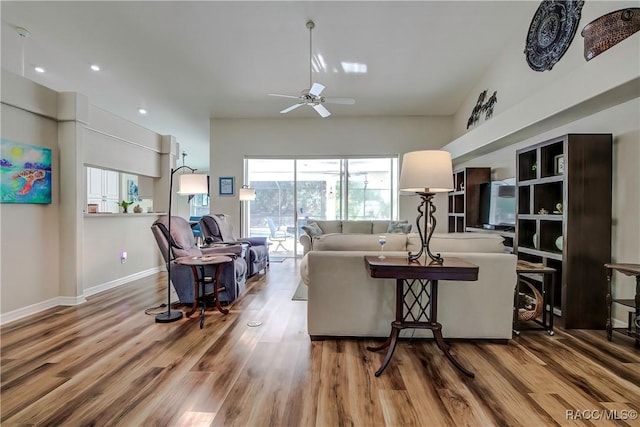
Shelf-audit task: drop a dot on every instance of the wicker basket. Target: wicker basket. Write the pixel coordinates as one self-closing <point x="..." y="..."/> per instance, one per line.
<point x="536" y="310"/>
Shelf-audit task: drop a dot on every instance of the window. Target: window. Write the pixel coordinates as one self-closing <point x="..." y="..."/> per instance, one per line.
<point x="290" y="191"/>
<point x="199" y="205"/>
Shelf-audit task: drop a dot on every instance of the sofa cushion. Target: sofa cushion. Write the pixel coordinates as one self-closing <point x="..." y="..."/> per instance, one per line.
<point x="362" y="227"/>
<point x="312" y="229"/>
<point x="358" y="242"/>
<point x="379" y="227"/>
<point x="334" y="226"/>
<point x="399" y="227"/>
<point x="459" y="242"/>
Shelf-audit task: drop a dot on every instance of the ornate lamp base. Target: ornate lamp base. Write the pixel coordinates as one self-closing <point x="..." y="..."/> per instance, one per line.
<point x="429" y="222"/>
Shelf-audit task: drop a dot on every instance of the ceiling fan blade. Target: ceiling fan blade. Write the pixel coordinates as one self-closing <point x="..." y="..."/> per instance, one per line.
<point x="316" y="89"/>
<point x="293" y="107"/>
<point x="284" y="96"/>
<point x="321" y="110"/>
<point x="346" y="101"/>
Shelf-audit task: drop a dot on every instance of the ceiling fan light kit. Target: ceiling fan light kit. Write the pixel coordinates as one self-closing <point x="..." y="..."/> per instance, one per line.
<point x="312" y="96"/>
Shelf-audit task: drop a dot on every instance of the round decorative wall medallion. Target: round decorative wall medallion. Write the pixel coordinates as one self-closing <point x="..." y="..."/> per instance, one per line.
<point x="551" y="31"/>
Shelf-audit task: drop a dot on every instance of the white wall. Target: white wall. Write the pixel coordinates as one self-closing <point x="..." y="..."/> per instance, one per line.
<point x="132" y="148"/>
<point x="52" y="254"/>
<point x="232" y="139"/>
<point x="29" y="233"/>
<point x="105" y="237"/>
<point x="532" y="102"/>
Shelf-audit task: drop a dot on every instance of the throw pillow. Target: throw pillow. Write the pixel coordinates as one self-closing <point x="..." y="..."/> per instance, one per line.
<point x="399" y="227"/>
<point x="312" y="229"/>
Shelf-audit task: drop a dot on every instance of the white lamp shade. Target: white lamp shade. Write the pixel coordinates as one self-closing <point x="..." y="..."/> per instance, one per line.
<point x="427" y="171"/>
<point x="247" y="193"/>
<point x="193" y="183"/>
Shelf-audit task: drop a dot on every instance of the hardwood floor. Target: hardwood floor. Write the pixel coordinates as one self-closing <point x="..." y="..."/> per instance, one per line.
<point x="107" y="363"/>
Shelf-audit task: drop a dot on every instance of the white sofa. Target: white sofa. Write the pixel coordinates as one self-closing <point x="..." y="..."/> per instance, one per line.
<point x="343" y="300"/>
<point x="376" y="227"/>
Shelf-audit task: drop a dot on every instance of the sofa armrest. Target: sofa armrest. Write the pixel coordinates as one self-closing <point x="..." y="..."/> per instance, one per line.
<point x="305" y="241"/>
<point x="234" y="250"/>
<point x="254" y="241"/>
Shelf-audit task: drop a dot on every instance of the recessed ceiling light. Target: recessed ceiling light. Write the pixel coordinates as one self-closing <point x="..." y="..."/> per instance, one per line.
<point x="142" y="111"/>
<point x="95" y="67"/>
<point x="39" y="69"/>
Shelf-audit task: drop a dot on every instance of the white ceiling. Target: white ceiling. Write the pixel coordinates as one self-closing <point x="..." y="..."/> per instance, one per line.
<point x="188" y="61"/>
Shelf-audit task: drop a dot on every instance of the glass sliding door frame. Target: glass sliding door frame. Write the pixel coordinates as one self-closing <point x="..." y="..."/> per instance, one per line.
<point x="339" y="192"/>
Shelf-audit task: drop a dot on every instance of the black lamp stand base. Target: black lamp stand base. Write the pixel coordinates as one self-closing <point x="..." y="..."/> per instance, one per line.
<point x="169" y="316"/>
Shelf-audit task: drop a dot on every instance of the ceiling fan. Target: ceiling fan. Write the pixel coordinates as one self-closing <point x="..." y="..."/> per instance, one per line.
<point x="312" y="96"/>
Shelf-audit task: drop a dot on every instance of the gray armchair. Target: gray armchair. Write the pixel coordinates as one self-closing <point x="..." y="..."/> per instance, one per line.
<point x="232" y="277"/>
<point x="217" y="229"/>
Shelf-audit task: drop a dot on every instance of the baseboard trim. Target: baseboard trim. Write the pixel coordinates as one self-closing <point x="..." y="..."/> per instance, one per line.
<point x="71" y="301"/>
<point x="121" y="281"/>
<point x="40" y="306"/>
<point x="401" y="339"/>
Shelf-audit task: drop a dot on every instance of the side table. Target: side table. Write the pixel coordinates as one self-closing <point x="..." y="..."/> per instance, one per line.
<point x="633" y="327"/>
<point x="417" y="297"/>
<point x="548" y="290"/>
<point x="198" y="264"/>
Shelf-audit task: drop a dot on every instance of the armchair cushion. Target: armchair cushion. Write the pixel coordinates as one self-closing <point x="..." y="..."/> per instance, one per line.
<point x="182" y="241"/>
<point x="233" y="277"/>
<point x="217" y="229"/>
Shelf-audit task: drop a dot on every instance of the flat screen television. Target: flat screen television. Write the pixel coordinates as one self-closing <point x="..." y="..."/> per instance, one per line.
<point x="498" y="204"/>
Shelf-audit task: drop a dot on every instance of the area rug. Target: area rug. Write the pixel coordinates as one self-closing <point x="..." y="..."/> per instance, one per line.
<point x="301" y="292"/>
<point x="277" y="259"/>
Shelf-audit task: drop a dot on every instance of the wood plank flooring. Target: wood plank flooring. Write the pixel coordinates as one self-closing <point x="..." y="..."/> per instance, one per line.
<point x="107" y="363"/>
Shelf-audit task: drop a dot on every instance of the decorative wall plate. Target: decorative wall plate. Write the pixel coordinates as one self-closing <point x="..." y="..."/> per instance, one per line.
<point x="609" y="30"/>
<point x="551" y="31"/>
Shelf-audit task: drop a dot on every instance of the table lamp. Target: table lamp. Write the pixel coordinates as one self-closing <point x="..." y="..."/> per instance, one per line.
<point x="426" y="173"/>
<point x="190" y="183"/>
<point x="246" y="193"/>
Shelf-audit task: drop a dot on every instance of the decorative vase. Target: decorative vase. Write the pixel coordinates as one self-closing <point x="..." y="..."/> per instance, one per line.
<point x="137" y="209"/>
<point x="559" y="243"/>
<point x="125" y="209"/>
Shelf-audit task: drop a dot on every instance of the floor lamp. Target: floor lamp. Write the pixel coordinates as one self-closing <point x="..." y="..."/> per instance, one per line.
<point x="426" y="173"/>
<point x="191" y="183"/>
<point x="246" y="193"/>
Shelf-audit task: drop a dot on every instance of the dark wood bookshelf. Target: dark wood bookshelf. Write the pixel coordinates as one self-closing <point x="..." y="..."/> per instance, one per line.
<point x="574" y="238"/>
<point x="464" y="200"/>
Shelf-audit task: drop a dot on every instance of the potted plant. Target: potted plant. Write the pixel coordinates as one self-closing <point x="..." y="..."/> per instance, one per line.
<point x="125" y="205"/>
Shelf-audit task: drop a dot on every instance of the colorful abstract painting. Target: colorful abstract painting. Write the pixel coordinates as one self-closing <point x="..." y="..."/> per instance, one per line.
<point x="25" y="173"/>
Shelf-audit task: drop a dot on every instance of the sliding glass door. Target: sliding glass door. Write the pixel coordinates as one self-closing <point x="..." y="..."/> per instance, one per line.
<point x="370" y="188"/>
<point x="272" y="213"/>
<point x="289" y="192"/>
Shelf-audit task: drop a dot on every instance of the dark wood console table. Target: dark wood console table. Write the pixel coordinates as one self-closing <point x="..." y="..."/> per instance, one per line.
<point x="198" y="264"/>
<point x="417" y="297"/>
<point x="633" y="327"/>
